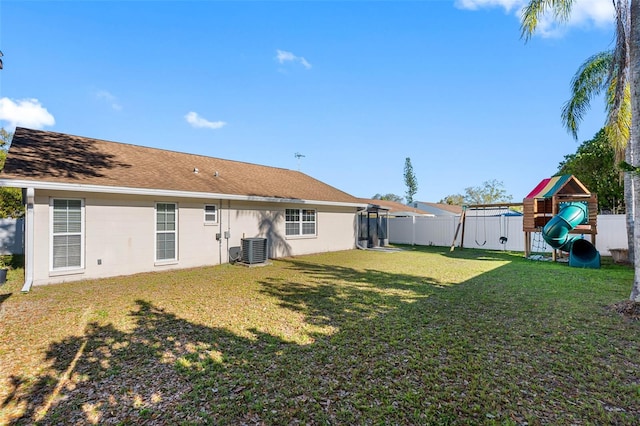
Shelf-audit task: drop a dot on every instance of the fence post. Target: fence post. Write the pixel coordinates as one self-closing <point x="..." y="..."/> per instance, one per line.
<point x="413" y="230"/>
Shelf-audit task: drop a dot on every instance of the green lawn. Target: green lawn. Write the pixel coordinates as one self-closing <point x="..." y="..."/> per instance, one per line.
<point x="420" y="336"/>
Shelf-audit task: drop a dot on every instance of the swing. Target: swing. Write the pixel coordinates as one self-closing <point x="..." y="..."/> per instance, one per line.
<point x="504" y="235"/>
<point x="484" y="227"/>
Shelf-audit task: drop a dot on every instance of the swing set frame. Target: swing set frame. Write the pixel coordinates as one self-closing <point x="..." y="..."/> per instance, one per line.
<point x="463" y="219"/>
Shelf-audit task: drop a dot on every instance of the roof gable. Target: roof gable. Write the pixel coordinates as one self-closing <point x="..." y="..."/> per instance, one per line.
<point x="44" y="156"/>
<point x="558" y="185"/>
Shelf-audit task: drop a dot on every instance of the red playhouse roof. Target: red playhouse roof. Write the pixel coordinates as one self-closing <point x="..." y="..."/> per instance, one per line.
<point x="549" y="187"/>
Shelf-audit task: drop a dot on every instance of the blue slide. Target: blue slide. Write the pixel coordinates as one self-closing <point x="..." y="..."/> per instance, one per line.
<point x="556" y="233"/>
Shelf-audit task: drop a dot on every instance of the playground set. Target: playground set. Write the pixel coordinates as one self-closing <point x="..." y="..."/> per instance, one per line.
<point x="560" y="209"/>
<point x="482" y="211"/>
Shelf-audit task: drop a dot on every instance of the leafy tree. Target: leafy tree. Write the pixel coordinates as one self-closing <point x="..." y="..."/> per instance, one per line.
<point x="594" y="165"/>
<point x="388" y="197"/>
<point x="5" y="139"/>
<point x="491" y="191"/>
<point x="454" y="200"/>
<point x="410" y="180"/>
<point x="10" y="198"/>
<point x="624" y="71"/>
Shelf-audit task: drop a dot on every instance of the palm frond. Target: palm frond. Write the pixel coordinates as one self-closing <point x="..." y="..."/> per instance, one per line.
<point x="618" y="92"/>
<point x="562" y="9"/>
<point x="535" y="9"/>
<point x="590" y="80"/>
<point x="618" y="126"/>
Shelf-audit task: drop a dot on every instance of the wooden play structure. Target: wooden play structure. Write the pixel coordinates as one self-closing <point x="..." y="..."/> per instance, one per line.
<point x="546" y="201"/>
<point x="501" y="208"/>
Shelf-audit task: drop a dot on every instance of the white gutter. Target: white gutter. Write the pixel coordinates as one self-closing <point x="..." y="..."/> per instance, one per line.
<point x="53" y="186"/>
<point x="29" y="241"/>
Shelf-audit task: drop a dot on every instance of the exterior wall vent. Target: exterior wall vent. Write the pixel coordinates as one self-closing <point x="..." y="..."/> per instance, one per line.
<point x="254" y="250"/>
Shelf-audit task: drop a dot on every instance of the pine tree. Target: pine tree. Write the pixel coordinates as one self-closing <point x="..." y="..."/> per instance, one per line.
<point x="410" y="180"/>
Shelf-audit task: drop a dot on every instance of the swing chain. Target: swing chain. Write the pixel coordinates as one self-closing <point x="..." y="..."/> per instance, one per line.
<point x="484" y="226"/>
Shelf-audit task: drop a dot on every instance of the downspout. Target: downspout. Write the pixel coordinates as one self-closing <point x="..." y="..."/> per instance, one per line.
<point x="228" y="233"/>
<point x="29" y="241"/>
<point x="220" y="233"/>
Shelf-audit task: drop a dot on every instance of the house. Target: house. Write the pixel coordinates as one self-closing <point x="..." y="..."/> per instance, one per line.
<point x="438" y="209"/>
<point x="98" y="209"/>
<point x="396" y="209"/>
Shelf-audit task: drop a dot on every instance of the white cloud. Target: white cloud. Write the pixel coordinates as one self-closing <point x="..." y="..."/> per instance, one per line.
<point x="196" y="121"/>
<point x="508" y="5"/>
<point x="597" y="13"/>
<point x="304" y="63"/>
<point x="25" y="112"/>
<point x="107" y="97"/>
<point x="283" y="56"/>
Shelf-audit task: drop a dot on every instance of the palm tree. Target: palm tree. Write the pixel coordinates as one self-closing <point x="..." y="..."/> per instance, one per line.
<point x="622" y="69"/>
<point x="592" y="78"/>
<point x="634" y="142"/>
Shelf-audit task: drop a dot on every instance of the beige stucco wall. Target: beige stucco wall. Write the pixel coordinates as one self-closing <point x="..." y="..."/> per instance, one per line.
<point x="120" y="233"/>
<point x="335" y="228"/>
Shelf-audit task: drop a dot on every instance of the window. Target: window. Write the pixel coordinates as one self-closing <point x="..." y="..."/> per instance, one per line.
<point x="210" y="214"/>
<point x="67" y="240"/>
<point x="300" y="222"/>
<point x="166" y="231"/>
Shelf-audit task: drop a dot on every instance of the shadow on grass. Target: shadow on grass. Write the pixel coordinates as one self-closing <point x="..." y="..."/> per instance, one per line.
<point x="169" y="370"/>
<point x="4" y="297"/>
<point x="334" y="295"/>
<point x="133" y="377"/>
<point x="403" y="349"/>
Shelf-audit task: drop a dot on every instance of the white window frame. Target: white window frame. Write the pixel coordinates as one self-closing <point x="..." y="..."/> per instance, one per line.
<point x="53" y="234"/>
<point x="214" y="213"/>
<point x="302" y="214"/>
<point x="157" y="232"/>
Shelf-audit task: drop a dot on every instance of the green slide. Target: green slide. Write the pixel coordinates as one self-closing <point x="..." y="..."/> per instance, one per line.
<point x="556" y="233"/>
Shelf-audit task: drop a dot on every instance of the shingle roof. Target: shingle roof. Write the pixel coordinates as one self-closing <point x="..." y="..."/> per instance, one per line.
<point x="37" y="155"/>
<point x="395" y="207"/>
<point x="446" y="207"/>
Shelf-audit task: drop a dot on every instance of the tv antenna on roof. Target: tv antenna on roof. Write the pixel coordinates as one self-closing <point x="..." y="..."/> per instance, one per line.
<point x="299" y="156"/>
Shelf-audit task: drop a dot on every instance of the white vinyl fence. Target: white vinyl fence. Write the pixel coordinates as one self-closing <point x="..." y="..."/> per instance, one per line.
<point x="11" y="236"/>
<point x="485" y="232"/>
<point x="480" y="232"/>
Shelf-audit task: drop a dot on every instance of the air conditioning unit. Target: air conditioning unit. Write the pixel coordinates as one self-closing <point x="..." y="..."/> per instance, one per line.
<point x="254" y="250"/>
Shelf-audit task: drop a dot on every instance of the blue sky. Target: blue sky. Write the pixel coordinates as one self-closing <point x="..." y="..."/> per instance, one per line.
<point x="354" y="86"/>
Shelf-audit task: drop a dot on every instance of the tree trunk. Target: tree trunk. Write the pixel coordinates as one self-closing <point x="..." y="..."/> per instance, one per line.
<point x="628" y="203"/>
<point x="634" y="145"/>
